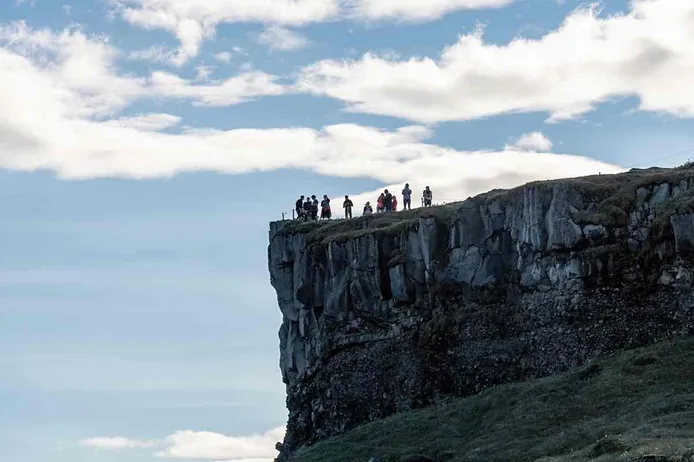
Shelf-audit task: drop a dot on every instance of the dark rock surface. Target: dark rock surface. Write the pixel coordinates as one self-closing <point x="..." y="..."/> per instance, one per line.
<point x="393" y="312"/>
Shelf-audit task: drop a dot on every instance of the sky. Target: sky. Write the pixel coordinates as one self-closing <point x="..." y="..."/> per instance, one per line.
<point x="146" y="144"/>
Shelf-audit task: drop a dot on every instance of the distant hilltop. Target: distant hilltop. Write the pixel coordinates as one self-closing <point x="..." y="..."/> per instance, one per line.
<point x="396" y="311"/>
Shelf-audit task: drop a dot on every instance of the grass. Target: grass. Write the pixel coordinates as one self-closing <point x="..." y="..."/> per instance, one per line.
<point x="614" y="196"/>
<point x="625" y="407"/>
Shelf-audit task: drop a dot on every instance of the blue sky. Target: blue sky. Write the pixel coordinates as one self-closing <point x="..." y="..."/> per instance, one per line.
<point x="145" y="145"/>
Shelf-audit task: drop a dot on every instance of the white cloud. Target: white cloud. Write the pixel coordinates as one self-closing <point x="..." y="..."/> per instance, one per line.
<point x="535" y="141"/>
<point x="281" y="38"/>
<point x="418" y="10"/>
<point x="77" y="71"/>
<point x="155" y="54"/>
<point x="189" y="444"/>
<point x="202" y="445"/>
<point x="203" y="72"/>
<point x="223" y="57"/>
<point x="145" y="122"/>
<point x="72" y="126"/>
<point x="587" y="60"/>
<point x="116" y="442"/>
<point x="216" y="93"/>
<point x="193" y="22"/>
<point x="80" y="75"/>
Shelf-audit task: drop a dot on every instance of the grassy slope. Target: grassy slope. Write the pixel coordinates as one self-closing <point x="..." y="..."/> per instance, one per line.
<point x="619" y="408"/>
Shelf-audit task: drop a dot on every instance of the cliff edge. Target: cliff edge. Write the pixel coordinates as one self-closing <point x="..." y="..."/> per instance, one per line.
<point x="396" y="311"/>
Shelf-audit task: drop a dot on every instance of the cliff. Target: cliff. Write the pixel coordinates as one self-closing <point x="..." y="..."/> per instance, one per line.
<point x="395" y="311"/>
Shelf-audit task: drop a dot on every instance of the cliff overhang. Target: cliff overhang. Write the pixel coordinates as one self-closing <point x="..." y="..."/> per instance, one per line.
<point x="394" y="311"/>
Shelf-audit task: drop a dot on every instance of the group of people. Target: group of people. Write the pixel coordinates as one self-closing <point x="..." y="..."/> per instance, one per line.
<point x="307" y="207"/>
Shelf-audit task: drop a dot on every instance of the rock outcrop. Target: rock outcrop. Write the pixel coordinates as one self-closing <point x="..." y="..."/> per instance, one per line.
<point x="395" y="311"/>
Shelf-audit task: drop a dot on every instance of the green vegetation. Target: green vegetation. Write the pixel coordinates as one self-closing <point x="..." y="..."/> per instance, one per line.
<point x="628" y="407"/>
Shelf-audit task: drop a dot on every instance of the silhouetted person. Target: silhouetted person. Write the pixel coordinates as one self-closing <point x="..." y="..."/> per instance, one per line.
<point x="314" y="207"/>
<point x="427" y="196"/>
<point x="299" y="207"/>
<point x="387" y="201"/>
<point x="307" y="208"/>
<point x="325" y="212"/>
<point x="347" y="205"/>
<point x="367" y="209"/>
<point x="407" y="197"/>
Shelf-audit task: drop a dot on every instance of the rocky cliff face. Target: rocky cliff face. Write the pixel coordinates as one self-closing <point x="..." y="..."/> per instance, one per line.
<point x="395" y="311"/>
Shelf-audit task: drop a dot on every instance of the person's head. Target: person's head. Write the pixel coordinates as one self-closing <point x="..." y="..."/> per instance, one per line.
<point x="407" y="185"/>
<point x="368" y="203"/>
<point x="386" y="191"/>
<point x="325" y="196"/>
<point x="346" y="197"/>
<point x="314" y="196"/>
<point x="427" y="188"/>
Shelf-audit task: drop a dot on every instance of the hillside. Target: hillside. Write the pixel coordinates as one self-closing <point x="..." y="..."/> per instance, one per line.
<point x="632" y="405"/>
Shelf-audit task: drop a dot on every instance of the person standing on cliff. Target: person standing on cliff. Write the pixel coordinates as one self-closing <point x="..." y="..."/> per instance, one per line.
<point x="347" y="205"/>
<point x="299" y="207"/>
<point x="307" y="208"/>
<point x="367" y="209"/>
<point x="426" y="197"/>
<point x="395" y="203"/>
<point x="380" y="203"/>
<point x="314" y="207"/>
<point x="407" y="197"/>
<point x="387" y="201"/>
<point x="325" y="212"/>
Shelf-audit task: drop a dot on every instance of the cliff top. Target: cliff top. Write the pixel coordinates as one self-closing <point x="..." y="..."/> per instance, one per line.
<point x="612" y="196"/>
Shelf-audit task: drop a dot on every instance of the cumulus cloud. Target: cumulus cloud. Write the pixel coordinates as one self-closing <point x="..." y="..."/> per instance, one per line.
<point x="145" y="122"/>
<point x="533" y="141"/>
<point x="201" y="445"/>
<point x="189" y="444"/>
<point x="156" y="54"/>
<point x="418" y="10"/>
<point x="223" y="57"/>
<point x="234" y="90"/>
<point x="281" y="38"/>
<point x="116" y="442"/>
<point x="73" y="127"/>
<point x="79" y="73"/>
<point x="566" y="73"/>
<point x="193" y="22"/>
